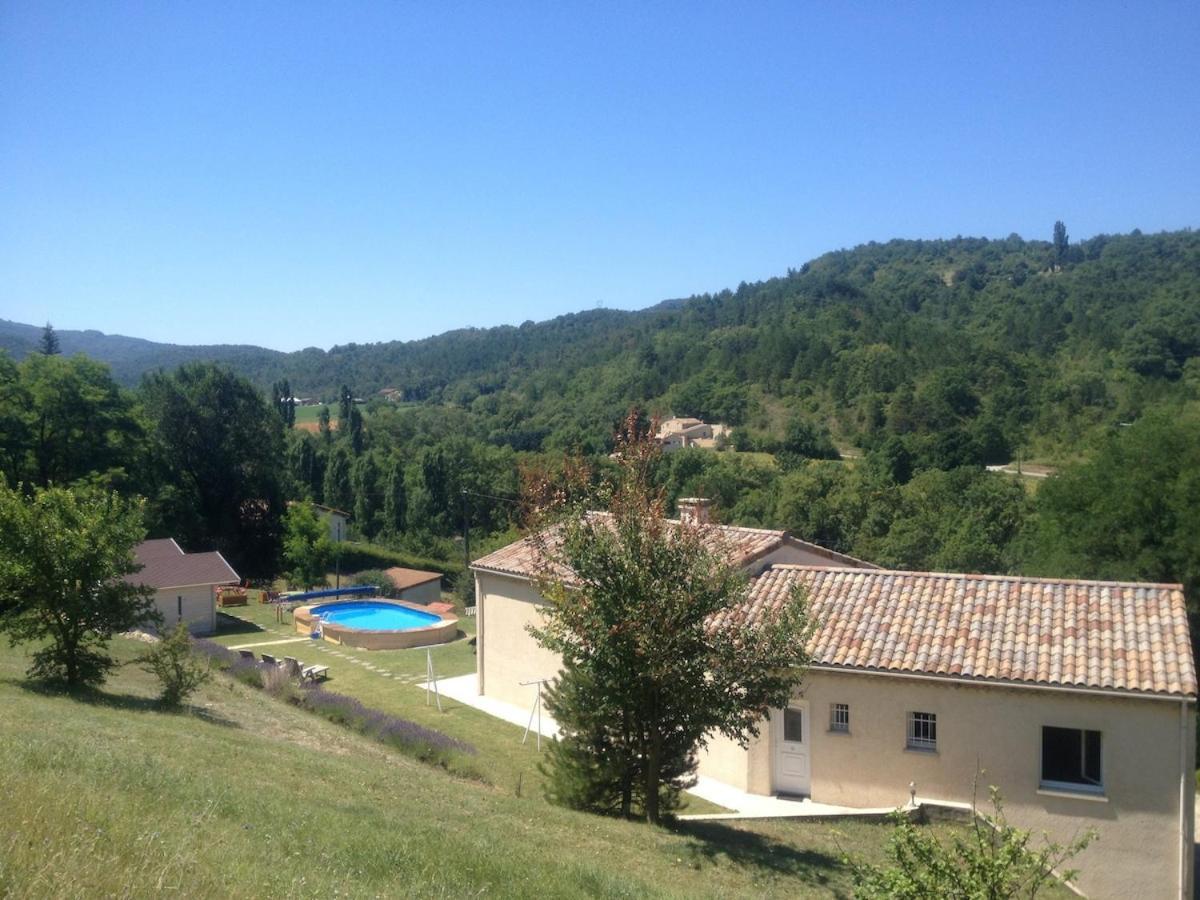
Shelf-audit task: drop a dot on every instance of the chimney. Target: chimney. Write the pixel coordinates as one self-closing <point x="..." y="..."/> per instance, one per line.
<point x="695" y="510"/>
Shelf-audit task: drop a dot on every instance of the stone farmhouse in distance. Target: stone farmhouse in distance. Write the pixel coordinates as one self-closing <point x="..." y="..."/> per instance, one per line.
<point x="1077" y="699"/>
<point x="677" y="433"/>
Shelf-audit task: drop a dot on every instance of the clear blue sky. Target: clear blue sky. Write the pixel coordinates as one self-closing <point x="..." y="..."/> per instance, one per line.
<point x="300" y="174"/>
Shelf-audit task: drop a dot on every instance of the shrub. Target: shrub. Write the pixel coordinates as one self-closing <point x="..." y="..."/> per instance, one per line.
<point x="248" y="671"/>
<point x="994" y="860"/>
<point x="415" y="740"/>
<point x="217" y="655"/>
<point x="179" y="670"/>
<point x="379" y="578"/>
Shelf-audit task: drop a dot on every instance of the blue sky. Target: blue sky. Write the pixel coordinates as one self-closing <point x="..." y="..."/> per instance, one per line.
<point x="304" y="174"/>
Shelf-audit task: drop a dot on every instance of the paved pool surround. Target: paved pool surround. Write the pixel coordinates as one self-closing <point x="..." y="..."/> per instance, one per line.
<point x="441" y="632"/>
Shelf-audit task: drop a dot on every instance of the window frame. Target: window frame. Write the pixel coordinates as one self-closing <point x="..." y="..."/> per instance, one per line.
<point x="1072" y="787"/>
<point x="913" y="741"/>
<point x="839" y="724"/>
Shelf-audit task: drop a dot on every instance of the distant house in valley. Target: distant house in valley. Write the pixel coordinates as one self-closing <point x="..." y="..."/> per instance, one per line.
<point x="337" y="520"/>
<point x="185" y="584"/>
<point x="392" y="395"/>
<point x="679" y="432"/>
<point x="416" y="586"/>
<point x="1076" y="698"/>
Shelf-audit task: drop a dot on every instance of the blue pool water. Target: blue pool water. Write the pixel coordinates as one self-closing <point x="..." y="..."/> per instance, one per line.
<point x="375" y="615"/>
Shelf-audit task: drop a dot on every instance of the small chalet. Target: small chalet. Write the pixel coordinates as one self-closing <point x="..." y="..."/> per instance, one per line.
<point x="185" y="584"/>
<point x="416" y="586"/>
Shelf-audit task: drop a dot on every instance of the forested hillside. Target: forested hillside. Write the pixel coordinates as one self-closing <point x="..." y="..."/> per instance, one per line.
<point x="929" y="359"/>
<point x="965" y="350"/>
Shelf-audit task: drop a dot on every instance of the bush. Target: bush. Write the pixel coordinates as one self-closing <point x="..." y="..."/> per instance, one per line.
<point x="379" y="578"/>
<point x="179" y="670"/>
<point x="410" y="738"/>
<point x="993" y="860"/>
<point x="357" y="557"/>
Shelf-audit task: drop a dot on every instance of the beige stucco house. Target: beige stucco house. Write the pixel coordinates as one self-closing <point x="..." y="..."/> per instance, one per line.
<point x="185" y="584"/>
<point x="1076" y="698"/>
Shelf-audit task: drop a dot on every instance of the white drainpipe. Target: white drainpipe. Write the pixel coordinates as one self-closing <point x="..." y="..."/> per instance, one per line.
<point x="1185" y="784"/>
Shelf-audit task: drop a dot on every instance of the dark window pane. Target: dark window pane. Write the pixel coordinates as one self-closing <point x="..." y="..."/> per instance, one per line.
<point x="793" y="725"/>
<point x="1091" y="757"/>
<point x="1061" y="751"/>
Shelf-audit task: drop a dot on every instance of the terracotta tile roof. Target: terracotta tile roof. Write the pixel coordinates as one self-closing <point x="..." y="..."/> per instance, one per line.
<point x="1102" y="635"/>
<point x="406" y="578"/>
<point x="165" y="565"/>
<point x="741" y="545"/>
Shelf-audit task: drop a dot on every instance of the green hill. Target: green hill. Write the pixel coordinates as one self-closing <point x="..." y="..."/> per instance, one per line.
<point x="975" y="348"/>
<point x="245" y="796"/>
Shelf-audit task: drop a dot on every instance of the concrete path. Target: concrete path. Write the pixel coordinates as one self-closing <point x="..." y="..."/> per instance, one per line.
<point x="754" y="806"/>
<point x="295" y="640"/>
<point x="465" y="689"/>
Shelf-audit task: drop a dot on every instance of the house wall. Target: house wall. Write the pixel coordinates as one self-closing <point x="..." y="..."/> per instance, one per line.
<point x="998" y="731"/>
<point x="199" y="608"/>
<point x="426" y="593"/>
<point x="1147" y="773"/>
<point x="507" y="654"/>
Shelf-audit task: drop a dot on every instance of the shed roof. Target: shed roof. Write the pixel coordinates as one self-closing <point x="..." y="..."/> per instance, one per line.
<point x="1103" y="635"/>
<point x="406" y="578"/>
<point x="165" y="565"/>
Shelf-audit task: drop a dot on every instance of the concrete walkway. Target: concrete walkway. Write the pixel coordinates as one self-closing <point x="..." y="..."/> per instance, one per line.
<point x="755" y="806"/>
<point x="295" y="640"/>
<point x="465" y="689"/>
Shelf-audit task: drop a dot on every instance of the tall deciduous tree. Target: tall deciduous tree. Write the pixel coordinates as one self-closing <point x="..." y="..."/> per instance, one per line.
<point x="647" y="674"/>
<point x="307" y="548"/>
<point x="64" y="557"/>
<point x="395" y="498"/>
<point x="219" y="449"/>
<point x="339" y="484"/>
<point x="324" y="426"/>
<point x="78" y="424"/>
<point x="1129" y="512"/>
<point x="1060" y="243"/>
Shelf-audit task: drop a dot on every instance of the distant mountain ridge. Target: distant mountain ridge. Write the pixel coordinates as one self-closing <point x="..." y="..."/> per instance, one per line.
<point x="130" y="357"/>
<point x="968" y="342"/>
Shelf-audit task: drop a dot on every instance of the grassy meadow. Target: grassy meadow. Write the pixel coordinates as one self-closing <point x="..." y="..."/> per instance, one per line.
<point x="242" y="795"/>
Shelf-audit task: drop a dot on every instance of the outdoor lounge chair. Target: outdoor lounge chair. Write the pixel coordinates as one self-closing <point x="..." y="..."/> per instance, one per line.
<point x="247" y="654"/>
<point x="270" y="660"/>
<point x="312" y="673"/>
<point x="299" y="670"/>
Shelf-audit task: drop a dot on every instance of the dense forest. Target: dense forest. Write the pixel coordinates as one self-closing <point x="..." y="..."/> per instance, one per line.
<point x="921" y="360"/>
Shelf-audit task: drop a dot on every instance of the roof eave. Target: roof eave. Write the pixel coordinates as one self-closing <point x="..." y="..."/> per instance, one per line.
<point x="981" y="681"/>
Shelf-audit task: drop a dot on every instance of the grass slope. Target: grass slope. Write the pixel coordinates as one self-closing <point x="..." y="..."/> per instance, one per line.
<point x="244" y="796"/>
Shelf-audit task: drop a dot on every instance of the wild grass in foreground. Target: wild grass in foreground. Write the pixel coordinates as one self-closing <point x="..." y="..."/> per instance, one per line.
<point x="244" y="796"/>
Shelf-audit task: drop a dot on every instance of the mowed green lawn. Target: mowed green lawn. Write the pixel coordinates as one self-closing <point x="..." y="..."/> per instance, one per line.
<point x="243" y="795"/>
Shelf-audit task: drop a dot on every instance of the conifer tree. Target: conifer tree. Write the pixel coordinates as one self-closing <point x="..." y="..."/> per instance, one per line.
<point x="49" y="343"/>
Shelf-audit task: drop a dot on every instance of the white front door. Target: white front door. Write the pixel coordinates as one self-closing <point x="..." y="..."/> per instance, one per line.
<point x="790" y="728"/>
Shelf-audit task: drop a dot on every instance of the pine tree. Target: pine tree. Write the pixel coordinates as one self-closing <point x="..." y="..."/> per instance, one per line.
<point x="49" y="343"/>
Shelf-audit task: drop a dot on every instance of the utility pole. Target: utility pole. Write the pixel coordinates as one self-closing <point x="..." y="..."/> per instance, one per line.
<point x="337" y="561"/>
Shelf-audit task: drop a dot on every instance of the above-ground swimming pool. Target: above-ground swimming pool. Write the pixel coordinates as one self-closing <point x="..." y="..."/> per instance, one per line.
<point x="376" y="624"/>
